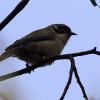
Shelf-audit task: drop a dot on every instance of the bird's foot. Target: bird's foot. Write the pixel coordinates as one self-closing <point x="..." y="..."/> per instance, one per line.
<point x="51" y="62"/>
<point x="28" y="66"/>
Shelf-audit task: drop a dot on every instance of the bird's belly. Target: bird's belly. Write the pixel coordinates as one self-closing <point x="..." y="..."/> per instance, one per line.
<point x="46" y="48"/>
<point x="34" y="53"/>
<point x="31" y="58"/>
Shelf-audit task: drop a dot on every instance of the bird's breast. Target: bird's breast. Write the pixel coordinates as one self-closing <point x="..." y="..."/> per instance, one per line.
<point x="36" y="51"/>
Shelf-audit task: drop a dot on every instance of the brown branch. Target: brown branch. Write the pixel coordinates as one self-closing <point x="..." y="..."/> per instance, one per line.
<point x="66" y="56"/>
<point x="73" y="69"/>
<point x="69" y="79"/>
<point x="17" y="9"/>
<point x="94" y="3"/>
<point x="80" y="83"/>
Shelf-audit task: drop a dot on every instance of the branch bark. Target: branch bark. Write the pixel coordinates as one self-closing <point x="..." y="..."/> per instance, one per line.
<point x="73" y="69"/>
<point x="60" y="57"/>
<point x="17" y="9"/>
<point x="80" y="84"/>
<point x="69" y="79"/>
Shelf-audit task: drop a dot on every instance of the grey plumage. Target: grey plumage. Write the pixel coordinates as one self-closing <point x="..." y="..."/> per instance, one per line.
<point x="39" y="44"/>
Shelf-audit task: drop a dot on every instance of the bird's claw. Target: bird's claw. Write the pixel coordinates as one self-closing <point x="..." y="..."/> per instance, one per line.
<point x="28" y="66"/>
<point x="51" y="62"/>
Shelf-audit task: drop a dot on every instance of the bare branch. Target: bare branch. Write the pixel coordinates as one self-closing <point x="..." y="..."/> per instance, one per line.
<point x="17" y="9"/>
<point x="69" y="79"/>
<point x="66" y="56"/>
<point x="59" y="57"/>
<point x="73" y="69"/>
<point x="80" y="83"/>
<point x="94" y="3"/>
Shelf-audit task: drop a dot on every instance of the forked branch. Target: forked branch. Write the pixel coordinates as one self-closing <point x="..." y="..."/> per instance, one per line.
<point x="60" y="57"/>
<point x="70" y="77"/>
<point x="73" y="68"/>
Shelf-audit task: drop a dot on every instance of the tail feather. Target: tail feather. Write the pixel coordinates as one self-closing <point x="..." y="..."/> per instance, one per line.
<point x="6" y="54"/>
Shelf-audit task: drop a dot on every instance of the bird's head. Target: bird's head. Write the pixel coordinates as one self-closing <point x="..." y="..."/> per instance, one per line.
<point x="63" y="32"/>
<point x="63" y="29"/>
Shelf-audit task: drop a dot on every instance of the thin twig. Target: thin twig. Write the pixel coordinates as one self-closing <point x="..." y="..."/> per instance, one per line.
<point x="80" y="84"/>
<point x="73" y="69"/>
<point x="66" y="56"/>
<point x="17" y="9"/>
<point x="69" y="79"/>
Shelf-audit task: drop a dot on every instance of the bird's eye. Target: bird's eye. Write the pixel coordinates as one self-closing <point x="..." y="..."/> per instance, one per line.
<point x="65" y="28"/>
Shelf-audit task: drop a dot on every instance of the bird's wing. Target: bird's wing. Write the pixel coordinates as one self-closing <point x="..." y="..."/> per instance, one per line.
<point x="32" y="37"/>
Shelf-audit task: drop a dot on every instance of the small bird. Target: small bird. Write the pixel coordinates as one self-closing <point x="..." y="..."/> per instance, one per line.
<point x="40" y="44"/>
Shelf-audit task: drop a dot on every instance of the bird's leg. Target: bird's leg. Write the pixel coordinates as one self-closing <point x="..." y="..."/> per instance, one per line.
<point x="50" y="62"/>
<point x="28" y="66"/>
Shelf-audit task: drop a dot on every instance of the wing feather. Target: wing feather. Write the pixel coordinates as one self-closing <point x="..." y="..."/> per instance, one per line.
<point x="32" y="37"/>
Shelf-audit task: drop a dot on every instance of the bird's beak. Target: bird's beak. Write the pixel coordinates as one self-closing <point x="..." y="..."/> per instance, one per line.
<point x="73" y="33"/>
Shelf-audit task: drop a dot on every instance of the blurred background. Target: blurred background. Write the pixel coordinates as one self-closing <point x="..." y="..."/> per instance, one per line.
<point x="48" y="83"/>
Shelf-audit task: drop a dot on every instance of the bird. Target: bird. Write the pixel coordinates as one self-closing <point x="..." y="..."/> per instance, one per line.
<point x="40" y="44"/>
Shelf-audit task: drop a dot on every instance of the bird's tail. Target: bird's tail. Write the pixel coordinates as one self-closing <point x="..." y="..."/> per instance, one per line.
<point x="6" y="54"/>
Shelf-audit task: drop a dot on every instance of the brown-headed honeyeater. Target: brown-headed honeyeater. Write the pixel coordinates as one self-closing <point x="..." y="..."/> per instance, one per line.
<point x="40" y="44"/>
